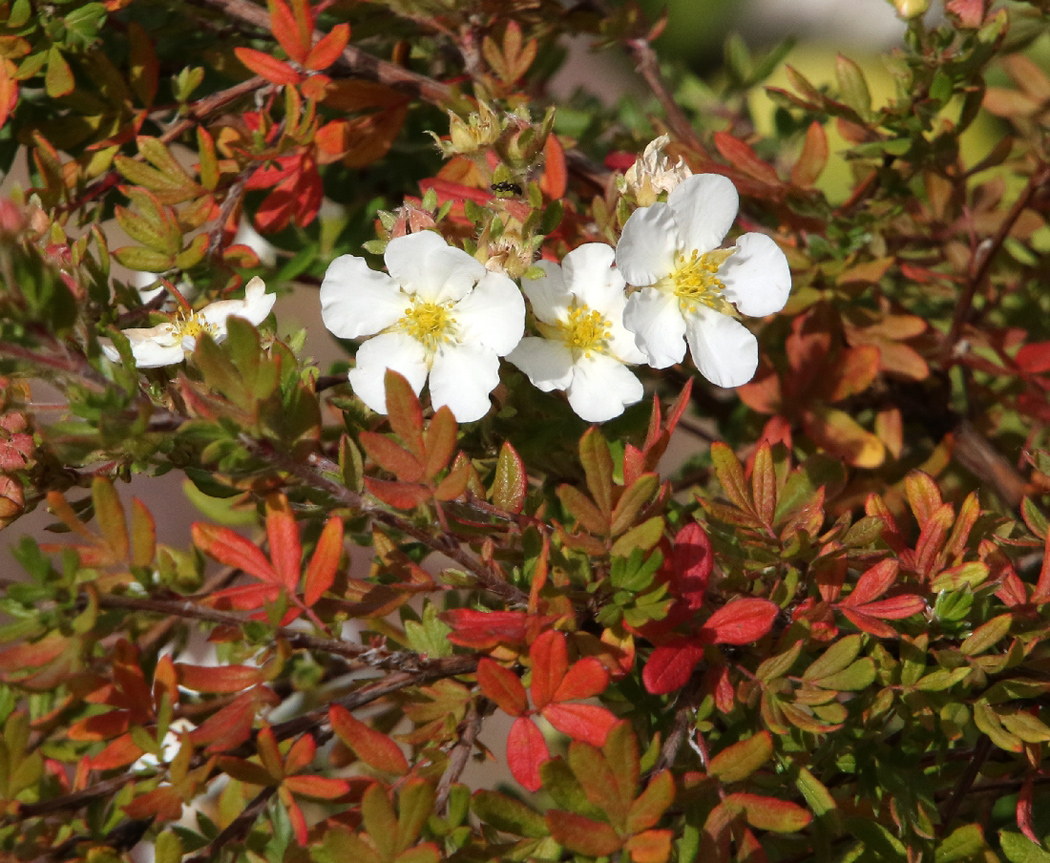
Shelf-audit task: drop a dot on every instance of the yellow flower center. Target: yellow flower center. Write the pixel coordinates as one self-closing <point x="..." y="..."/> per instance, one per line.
<point x="585" y="331"/>
<point x="429" y="323"/>
<point x="695" y="281"/>
<point x="193" y="326"/>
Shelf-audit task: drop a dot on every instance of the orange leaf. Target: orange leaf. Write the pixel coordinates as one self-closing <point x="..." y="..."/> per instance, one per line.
<point x="322" y="787"/>
<point x="320" y="573"/>
<point x="400" y="495"/>
<point x="652" y="846"/>
<point x="218" y="678"/>
<point x="583" y="835"/>
<point x="327" y="51"/>
<point x="405" y="465"/>
<point x="273" y="70"/>
<point x="120" y="753"/>
<point x="873" y="583"/>
<point x="813" y="158"/>
<point x="741" y="156"/>
<point x="501" y="685"/>
<point x="372" y="747"/>
<point x="8" y="92"/>
<point x="741" y="622"/>
<point x="232" y="549"/>
<point x="585" y="679"/>
<point x="282" y="530"/>
<point x="555" y="177"/>
<point x="293" y="32"/>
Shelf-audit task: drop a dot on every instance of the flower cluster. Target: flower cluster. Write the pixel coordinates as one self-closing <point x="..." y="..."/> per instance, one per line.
<point x="438" y="315"/>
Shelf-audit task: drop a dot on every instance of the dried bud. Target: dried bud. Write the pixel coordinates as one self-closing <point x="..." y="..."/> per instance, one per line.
<point x="653" y="173"/>
<point x="481" y="129"/>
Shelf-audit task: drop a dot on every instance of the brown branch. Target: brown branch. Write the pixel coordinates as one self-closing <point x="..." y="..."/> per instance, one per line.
<point x="984" y="256"/>
<point x="236" y="829"/>
<point x="980" y="753"/>
<point x="353" y="60"/>
<point x="468" y="732"/>
<point x="683" y="719"/>
<point x="649" y="67"/>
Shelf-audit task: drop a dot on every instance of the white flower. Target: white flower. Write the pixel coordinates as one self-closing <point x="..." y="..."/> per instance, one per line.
<point x="170" y="342"/>
<point x="579" y="308"/>
<point x="688" y="283"/>
<point x="439" y="313"/>
<point x="653" y="173"/>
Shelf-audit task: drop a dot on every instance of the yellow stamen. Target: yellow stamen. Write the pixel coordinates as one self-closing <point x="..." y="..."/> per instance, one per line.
<point x="695" y="281"/>
<point x="585" y="332"/>
<point x="429" y="323"/>
<point x="193" y="326"/>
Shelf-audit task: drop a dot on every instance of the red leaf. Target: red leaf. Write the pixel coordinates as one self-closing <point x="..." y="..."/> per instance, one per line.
<point x="327" y="51"/>
<point x="550" y="661"/>
<point x="692" y="564"/>
<point x="8" y="93"/>
<point x="1034" y="358"/>
<point x="273" y="70"/>
<point x="218" y="678"/>
<point x="1042" y="585"/>
<point x="399" y="495"/>
<point x="501" y="685"/>
<point x="893" y="608"/>
<point x="282" y="530"/>
<point x="232" y="549"/>
<point x="371" y="746"/>
<point x="583" y="835"/>
<point x="587" y="722"/>
<point x="870" y="625"/>
<point x="873" y="583"/>
<point x="741" y="622"/>
<point x="120" y="753"/>
<point x="247" y="597"/>
<point x="526" y="751"/>
<point x="770" y="813"/>
<point x="741" y="156"/>
<point x="585" y="679"/>
<point x="670" y="665"/>
<point x="483" y="629"/>
<point x="1024" y="810"/>
<point x="232" y="725"/>
<point x="813" y="158"/>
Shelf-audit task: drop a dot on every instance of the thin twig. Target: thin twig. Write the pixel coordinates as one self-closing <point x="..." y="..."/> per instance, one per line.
<point x="980" y="753"/>
<point x="649" y="67"/>
<point x="237" y="828"/>
<point x="984" y="256"/>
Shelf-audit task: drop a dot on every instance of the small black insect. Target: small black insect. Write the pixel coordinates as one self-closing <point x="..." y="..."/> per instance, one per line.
<point x="506" y="187"/>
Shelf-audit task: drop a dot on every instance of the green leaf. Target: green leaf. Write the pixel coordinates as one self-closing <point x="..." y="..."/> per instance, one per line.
<point x="510" y="483"/>
<point x="508" y="815"/>
<point x="835" y="658"/>
<point x="961" y="844"/>
<point x="167" y="848"/>
<point x="853" y="88"/>
<point x="986" y="635"/>
<point x="735" y="763"/>
<point x="59" y="79"/>
<point x="415" y="803"/>
<point x="857" y="676"/>
<point x="380" y="821"/>
<point x="1021" y="849"/>
<point x="598" y="467"/>
<point x="634" y="497"/>
<point x="431" y="636"/>
<point x="941" y="679"/>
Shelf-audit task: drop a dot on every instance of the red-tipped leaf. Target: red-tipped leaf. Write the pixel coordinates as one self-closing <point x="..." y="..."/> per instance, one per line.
<point x="526" y="751"/>
<point x="501" y="685"/>
<point x="232" y="549"/>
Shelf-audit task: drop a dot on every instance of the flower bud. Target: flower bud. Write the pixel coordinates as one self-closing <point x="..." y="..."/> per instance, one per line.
<point x="908" y="9"/>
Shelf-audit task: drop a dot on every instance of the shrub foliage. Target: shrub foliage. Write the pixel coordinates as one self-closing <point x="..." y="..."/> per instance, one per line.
<point x="823" y="638"/>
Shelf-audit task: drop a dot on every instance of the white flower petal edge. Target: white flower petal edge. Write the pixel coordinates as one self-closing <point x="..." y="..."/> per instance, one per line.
<point x="356" y="300"/>
<point x="757" y="277"/>
<point x="547" y="362"/>
<point x="601" y="388"/>
<point x="659" y="328"/>
<point x="646" y="251"/>
<point x="439" y="314"/>
<point x="724" y="350"/>
<point x="462" y="377"/>
<point x="397" y="351"/>
<point x="704" y="208"/>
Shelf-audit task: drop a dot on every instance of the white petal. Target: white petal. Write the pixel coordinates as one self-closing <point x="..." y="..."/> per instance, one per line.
<point x="623" y="345"/>
<point x="358" y="301"/>
<point x="109" y="351"/>
<point x="659" y="329"/>
<point x="253" y="308"/>
<point x="704" y="207"/>
<point x="547" y="362"/>
<point x="757" y="276"/>
<point x="647" y="247"/>
<point x="396" y="351"/>
<point x="424" y="263"/>
<point x="548" y="294"/>
<point x="462" y="377"/>
<point x="724" y="350"/>
<point x="601" y="388"/>
<point x="493" y="315"/>
<point x="591" y="277"/>
<point x="154" y="355"/>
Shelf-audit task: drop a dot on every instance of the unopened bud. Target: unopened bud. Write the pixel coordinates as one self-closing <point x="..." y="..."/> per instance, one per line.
<point x="908" y="9"/>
